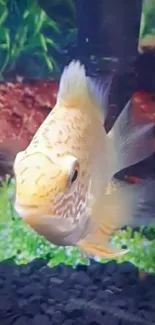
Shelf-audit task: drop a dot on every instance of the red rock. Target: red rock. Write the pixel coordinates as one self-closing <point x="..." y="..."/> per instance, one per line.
<point x="23" y="108"/>
<point x="143" y="108"/>
<point x="132" y="179"/>
<point x="25" y="105"/>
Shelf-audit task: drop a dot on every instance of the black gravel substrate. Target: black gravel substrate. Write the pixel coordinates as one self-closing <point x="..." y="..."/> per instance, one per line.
<point x="97" y="294"/>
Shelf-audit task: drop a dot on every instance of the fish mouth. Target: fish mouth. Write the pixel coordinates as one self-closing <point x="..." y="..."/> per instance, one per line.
<point x="25" y="211"/>
<point x="55" y="229"/>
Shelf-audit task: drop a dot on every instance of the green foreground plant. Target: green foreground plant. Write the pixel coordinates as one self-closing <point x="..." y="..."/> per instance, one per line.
<point x="21" y="244"/>
<point x="147" y="19"/>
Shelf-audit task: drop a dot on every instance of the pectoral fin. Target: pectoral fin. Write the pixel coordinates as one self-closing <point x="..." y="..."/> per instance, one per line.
<point x="107" y="250"/>
<point x="104" y="222"/>
<point x="118" y="208"/>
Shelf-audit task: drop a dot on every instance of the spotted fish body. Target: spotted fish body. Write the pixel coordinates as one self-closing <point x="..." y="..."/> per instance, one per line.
<point x="63" y="177"/>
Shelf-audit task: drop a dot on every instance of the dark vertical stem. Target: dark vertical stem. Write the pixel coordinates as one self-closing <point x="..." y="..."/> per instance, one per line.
<point x="119" y="27"/>
<point x="110" y="29"/>
<point x="145" y="71"/>
<point x="88" y="15"/>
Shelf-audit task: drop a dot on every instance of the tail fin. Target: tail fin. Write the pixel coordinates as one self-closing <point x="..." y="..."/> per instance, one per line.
<point x="132" y="143"/>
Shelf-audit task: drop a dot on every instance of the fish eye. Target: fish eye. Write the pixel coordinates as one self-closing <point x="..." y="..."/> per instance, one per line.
<point x="73" y="167"/>
<point x="74" y="176"/>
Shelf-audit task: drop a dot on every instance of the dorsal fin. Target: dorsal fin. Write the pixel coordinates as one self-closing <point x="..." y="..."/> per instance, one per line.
<point x="78" y="90"/>
<point x="100" y="89"/>
<point x="73" y="88"/>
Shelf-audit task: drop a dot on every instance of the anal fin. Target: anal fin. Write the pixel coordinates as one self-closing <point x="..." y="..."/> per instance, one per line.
<point x="97" y="242"/>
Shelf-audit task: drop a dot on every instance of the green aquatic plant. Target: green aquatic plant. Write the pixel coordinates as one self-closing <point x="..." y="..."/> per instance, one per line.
<point x="141" y="249"/>
<point x="62" y="11"/>
<point x="27" y="32"/>
<point x="65" y="13"/>
<point x="19" y="243"/>
<point x="147" y="19"/>
<point x="36" y="33"/>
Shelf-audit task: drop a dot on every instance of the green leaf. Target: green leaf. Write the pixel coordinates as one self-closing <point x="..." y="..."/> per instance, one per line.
<point x="5" y="36"/>
<point x="21" y="36"/>
<point x="39" y="21"/>
<point x="52" y="24"/>
<point x="43" y="42"/>
<point x="49" y="41"/>
<point x="3" y="14"/>
<point x="49" y="61"/>
<point x="3" y="2"/>
<point x="37" y="42"/>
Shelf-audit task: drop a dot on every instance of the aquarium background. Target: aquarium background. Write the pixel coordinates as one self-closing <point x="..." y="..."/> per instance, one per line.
<point x="37" y="39"/>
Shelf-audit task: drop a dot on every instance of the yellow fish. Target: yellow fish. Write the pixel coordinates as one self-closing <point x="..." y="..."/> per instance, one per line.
<point x="65" y="188"/>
